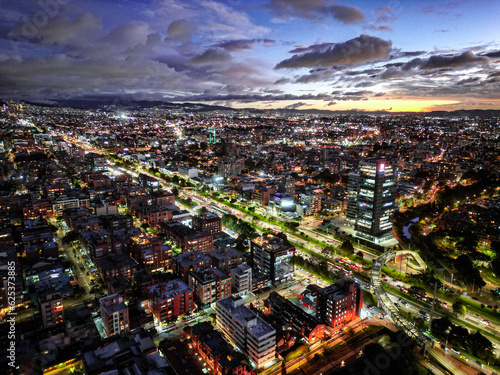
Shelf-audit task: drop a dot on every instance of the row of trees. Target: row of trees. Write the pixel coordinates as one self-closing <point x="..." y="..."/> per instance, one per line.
<point x="458" y="336"/>
<point x="239" y="226"/>
<point x="320" y="268"/>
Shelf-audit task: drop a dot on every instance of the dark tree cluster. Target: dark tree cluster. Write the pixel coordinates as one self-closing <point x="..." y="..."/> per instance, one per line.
<point x="460" y="338"/>
<point x="467" y="272"/>
<point x="239" y="226"/>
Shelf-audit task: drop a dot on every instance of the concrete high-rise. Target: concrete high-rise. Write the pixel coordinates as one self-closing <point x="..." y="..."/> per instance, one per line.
<point x="246" y="330"/>
<point x="372" y="199"/>
<point x="115" y="315"/>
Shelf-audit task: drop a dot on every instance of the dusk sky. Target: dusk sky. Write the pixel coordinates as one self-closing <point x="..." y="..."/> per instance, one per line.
<point x="336" y="55"/>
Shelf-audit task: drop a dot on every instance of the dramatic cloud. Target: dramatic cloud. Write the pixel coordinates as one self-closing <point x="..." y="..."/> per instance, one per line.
<point x="297" y="105"/>
<point x="181" y="30"/>
<point x="315" y="9"/>
<point x="58" y="30"/>
<point x="355" y="51"/>
<point x="463" y="60"/>
<point x="346" y="14"/>
<point x="128" y="35"/>
<point x="253" y="97"/>
<point x="315" y="47"/>
<point x="239" y="45"/>
<point x="494" y="54"/>
<point x="61" y="76"/>
<point x="210" y="56"/>
<point x="320" y="75"/>
<point x="213" y="51"/>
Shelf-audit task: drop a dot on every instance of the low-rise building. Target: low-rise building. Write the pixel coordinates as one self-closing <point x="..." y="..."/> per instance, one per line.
<point x="216" y="352"/>
<point x="207" y="222"/>
<point x="169" y="300"/>
<point x="209" y="285"/>
<point x="187" y="262"/>
<point x="294" y="317"/>
<point x="115" y="264"/>
<point x="187" y="238"/>
<point x="225" y="258"/>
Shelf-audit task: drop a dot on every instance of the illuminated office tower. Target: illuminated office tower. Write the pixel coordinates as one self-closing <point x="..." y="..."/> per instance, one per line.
<point x="372" y="199"/>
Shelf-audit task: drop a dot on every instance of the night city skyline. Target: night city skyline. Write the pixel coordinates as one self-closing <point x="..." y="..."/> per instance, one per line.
<point x="260" y="187"/>
<point x="321" y="54"/>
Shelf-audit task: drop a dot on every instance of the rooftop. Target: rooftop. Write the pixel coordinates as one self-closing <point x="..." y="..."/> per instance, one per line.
<point x="256" y="326"/>
<point x="169" y="289"/>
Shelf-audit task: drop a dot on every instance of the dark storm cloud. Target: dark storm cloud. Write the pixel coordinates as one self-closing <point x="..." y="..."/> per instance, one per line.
<point x="239" y="45"/>
<point x="346" y="14"/>
<point x="357" y="93"/>
<point x="465" y="59"/>
<point x="296" y="105"/>
<point x="210" y="56"/>
<point x="181" y="30"/>
<point x="411" y="53"/>
<point x="494" y="54"/>
<point x="340" y="95"/>
<point x="468" y="81"/>
<point x="494" y="74"/>
<point x="355" y="51"/>
<point x="315" y="9"/>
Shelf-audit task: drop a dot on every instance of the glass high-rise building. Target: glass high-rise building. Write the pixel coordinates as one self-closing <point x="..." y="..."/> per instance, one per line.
<point x="372" y="199"/>
<point x="272" y="257"/>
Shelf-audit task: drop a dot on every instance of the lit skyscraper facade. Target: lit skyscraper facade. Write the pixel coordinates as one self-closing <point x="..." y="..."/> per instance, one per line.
<point x="372" y="199"/>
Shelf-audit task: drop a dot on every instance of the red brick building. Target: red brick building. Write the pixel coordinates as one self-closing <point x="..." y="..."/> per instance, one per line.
<point x="339" y="303"/>
<point x="186" y="238"/>
<point x="158" y="258"/>
<point x="163" y="198"/>
<point x="153" y="215"/>
<point x="216" y="352"/>
<point x="207" y="222"/>
<point x="115" y="315"/>
<point x="209" y="285"/>
<point x="34" y="209"/>
<point x="169" y="300"/>
<point x="187" y="262"/>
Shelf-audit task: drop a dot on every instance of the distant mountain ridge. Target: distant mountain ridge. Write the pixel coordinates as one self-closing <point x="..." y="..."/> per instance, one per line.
<point x="116" y="104"/>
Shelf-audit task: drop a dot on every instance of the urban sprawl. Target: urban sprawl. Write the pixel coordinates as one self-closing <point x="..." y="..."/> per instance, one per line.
<point x="176" y="240"/>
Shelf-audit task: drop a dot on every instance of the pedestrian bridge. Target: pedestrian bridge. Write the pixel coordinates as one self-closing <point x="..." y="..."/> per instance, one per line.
<point x="421" y="266"/>
<point x="386" y="303"/>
